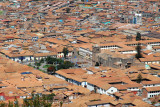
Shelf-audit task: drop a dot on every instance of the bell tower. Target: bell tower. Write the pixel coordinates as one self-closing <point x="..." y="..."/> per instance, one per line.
<point x="95" y="50"/>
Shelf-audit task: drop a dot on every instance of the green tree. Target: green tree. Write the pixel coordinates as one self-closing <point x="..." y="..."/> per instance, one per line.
<point x="37" y="101"/>
<point x="2" y="104"/>
<point x="51" y="70"/>
<point x="59" y="61"/>
<point x="25" y="103"/>
<point x="78" y="52"/>
<point x="138" y="49"/>
<point x="138" y="37"/>
<point x="61" y="103"/>
<point x="139" y="78"/>
<point x="65" y="52"/>
<point x="49" y="60"/>
<point x="68" y="10"/>
<point x="42" y="60"/>
<point x="65" y="65"/>
<point x="29" y="64"/>
<point x="37" y="64"/>
<point x="68" y="64"/>
<point x="16" y="104"/>
<point x="153" y="102"/>
<point x="97" y="64"/>
<point x="50" y="97"/>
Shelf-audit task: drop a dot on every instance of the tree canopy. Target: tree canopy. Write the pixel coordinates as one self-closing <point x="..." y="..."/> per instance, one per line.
<point x="65" y="52"/>
<point x="138" y="37"/>
<point x="65" y="65"/>
<point x="138" y="49"/>
<point x="97" y="64"/>
<point x="35" y="101"/>
<point x="39" y="101"/>
<point x="51" y="70"/>
<point x="51" y="60"/>
<point x="59" y="63"/>
<point x="139" y="78"/>
<point x="68" y="10"/>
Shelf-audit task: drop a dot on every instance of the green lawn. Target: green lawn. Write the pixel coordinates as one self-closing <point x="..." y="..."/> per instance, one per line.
<point x="46" y="66"/>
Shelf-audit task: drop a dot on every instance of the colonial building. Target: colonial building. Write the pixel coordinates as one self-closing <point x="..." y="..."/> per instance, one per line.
<point x="150" y="92"/>
<point x="111" y="58"/>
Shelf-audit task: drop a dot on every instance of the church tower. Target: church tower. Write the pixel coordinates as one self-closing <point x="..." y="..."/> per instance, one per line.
<point x="95" y="50"/>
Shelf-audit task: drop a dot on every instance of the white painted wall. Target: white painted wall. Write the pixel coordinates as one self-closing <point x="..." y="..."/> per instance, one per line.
<point x="128" y="52"/>
<point x="85" y="52"/>
<point x="152" y="62"/>
<point x="133" y="89"/>
<point x="151" y="85"/>
<point x="149" y="95"/>
<point x="15" y="59"/>
<point x="101" y="91"/>
<point x="84" y="83"/>
<point x="89" y="72"/>
<point x="70" y="97"/>
<point x="90" y="87"/>
<point x="109" y="47"/>
<point x="154" y="43"/>
<point x="101" y="105"/>
<point x="69" y="54"/>
<point x="111" y="90"/>
<point x="23" y="97"/>
<point x="27" y="58"/>
<point x="60" y="55"/>
<point x="59" y="76"/>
